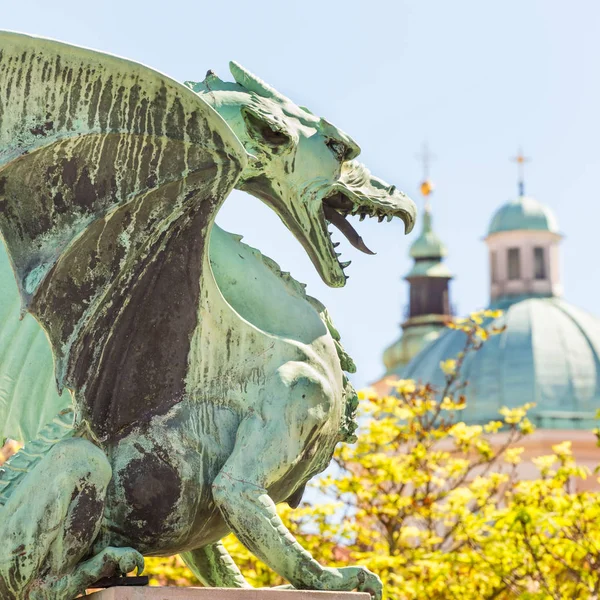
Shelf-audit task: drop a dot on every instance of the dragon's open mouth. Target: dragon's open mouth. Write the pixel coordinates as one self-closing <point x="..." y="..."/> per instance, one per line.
<point x="322" y="203"/>
<point x="338" y="206"/>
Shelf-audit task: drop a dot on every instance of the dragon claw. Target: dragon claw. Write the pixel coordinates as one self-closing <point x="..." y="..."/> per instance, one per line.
<point x="129" y="560"/>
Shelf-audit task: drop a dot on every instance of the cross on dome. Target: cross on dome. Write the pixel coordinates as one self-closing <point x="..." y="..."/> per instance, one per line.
<point x="521" y="159"/>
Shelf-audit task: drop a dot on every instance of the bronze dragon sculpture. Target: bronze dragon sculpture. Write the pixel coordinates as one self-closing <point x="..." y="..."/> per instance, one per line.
<point x="200" y="385"/>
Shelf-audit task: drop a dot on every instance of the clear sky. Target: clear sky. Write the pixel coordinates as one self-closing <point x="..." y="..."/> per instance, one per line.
<point x="475" y="79"/>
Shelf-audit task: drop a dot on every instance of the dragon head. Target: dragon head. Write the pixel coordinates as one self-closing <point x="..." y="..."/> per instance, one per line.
<point x="303" y="167"/>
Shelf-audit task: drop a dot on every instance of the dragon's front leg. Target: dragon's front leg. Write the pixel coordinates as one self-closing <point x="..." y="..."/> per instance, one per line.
<point x="214" y="567"/>
<point x="268" y="445"/>
<point x="49" y="524"/>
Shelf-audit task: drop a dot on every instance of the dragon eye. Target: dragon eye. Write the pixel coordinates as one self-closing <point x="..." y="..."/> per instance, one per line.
<point x="264" y="131"/>
<point x="338" y="148"/>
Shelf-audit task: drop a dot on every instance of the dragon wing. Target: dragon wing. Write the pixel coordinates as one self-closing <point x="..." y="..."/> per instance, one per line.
<point x="110" y="176"/>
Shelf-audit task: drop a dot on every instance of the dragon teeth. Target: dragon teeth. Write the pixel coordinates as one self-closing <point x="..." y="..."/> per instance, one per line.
<point x="336" y="244"/>
<point x="381" y="218"/>
<point x="345" y="264"/>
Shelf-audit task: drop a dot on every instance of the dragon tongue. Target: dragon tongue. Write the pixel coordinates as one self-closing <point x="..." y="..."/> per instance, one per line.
<point x="344" y="226"/>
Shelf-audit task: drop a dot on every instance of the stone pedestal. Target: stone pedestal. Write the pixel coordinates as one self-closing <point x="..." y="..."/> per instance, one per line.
<point x="174" y="593"/>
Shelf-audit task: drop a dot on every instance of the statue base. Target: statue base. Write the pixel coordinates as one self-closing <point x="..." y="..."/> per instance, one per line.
<point x="174" y="593"/>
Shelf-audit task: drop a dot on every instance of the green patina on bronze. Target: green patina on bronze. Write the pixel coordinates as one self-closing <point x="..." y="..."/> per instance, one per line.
<point x="201" y="385"/>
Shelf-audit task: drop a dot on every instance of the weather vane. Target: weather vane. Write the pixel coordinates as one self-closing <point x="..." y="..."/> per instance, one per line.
<point x="427" y="187"/>
<point x="521" y="159"/>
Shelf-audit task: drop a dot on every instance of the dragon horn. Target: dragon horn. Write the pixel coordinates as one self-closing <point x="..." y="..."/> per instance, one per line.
<point x="253" y="83"/>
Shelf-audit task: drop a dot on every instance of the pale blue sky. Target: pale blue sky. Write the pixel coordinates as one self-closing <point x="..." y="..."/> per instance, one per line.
<point x="476" y="79"/>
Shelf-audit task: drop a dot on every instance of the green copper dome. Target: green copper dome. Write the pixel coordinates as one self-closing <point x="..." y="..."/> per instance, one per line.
<point x="428" y="244"/>
<point x="549" y="354"/>
<point x="524" y="213"/>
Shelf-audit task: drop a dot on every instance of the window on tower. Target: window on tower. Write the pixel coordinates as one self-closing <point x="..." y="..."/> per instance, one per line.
<point x="494" y="266"/>
<point x="539" y="263"/>
<point x="514" y="263"/>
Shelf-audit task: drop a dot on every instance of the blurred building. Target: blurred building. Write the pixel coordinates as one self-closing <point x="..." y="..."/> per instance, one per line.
<point x="549" y="352"/>
<point x="428" y="307"/>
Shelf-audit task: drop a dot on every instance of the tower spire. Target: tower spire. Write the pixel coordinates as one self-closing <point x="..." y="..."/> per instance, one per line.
<point x="428" y="308"/>
<point x="427" y="187"/>
<point x="521" y="159"/>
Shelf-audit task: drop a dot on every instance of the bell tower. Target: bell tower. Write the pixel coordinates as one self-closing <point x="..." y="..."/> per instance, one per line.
<point x="428" y="307"/>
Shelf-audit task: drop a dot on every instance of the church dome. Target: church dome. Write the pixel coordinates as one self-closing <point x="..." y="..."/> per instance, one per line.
<point x="524" y="213"/>
<point x="548" y="354"/>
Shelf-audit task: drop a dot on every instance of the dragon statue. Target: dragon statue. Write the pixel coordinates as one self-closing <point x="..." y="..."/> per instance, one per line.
<point x="169" y="382"/>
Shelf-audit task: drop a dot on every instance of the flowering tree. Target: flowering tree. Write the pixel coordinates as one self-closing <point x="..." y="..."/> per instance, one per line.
<point x="436" y="509"/>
